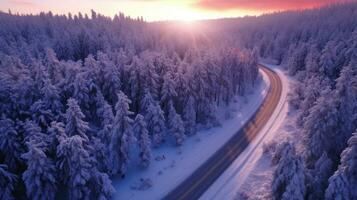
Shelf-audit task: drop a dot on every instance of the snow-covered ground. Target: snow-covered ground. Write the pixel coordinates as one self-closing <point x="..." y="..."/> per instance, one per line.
<point x="171" y="165"/>
<point x="247" y="170"/>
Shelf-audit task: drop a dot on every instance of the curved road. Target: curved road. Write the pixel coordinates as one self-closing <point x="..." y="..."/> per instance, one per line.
<point x="198" y="182"/>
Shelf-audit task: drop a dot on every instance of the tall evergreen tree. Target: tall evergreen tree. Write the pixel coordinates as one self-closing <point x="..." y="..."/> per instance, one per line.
<point x="320" y="127"/>
<point x="74" y="120"/>
<point x="342" y="185"/>
<point x="319" y="177"/>
<point x="168" y="92"/>
<point x="328" y="60"/>
<point x="175" y="125"/>
<point x="144" y="141"/>
<point x="52" y="64"/>
<point x="111" y="78"/>
<point x="10" y="144"/>
<point x="51" y="97"/>
<point x="121" y="136"/>
<point x="104" y="110"/>
<point x="289" y="178"/>
<point x="80" y="174"/>
<point x="40" y="175"/>
<point x="189" y="116"/>
<point x="8" y="182"/>
<point x="338" y="188"/>
<point x="146" y="101"/>
<point x="346" y="96"/>
<point x="56" y="134"/>
<point x="156" y="123"/>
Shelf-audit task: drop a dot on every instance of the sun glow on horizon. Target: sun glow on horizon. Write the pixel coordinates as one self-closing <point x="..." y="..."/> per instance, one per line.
<point x="150" y="10"/>
<point x="184" y="14"/>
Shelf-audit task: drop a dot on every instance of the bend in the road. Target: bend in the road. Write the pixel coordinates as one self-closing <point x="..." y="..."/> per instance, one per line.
<point x="196" y="184"/>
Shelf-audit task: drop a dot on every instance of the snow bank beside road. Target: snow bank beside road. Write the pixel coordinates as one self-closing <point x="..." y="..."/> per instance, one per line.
<point x="241" y="171"/>
<point x="172" y="165"/>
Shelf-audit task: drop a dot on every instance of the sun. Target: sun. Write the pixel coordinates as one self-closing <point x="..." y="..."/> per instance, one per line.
<point x="185" y="14"/>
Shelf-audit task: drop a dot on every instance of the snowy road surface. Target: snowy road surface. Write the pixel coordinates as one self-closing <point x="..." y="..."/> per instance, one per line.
<point x="240" y="171"/>
<point x="203" y="177"/>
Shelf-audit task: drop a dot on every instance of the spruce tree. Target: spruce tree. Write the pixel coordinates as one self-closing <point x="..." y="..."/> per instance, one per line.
<point x="121" y="136"/>
<point x="75" y="124"/>
<point x="144" y="141"/>
<point x="289" y="176"/>
<point x="40" y="175"/>
<point x="189" y="116"/>
<point x="175" y="125"/>
<point x="8" y="182"/>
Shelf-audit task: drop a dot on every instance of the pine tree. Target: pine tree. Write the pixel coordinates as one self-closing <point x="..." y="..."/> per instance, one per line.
<point x="225" y="90"/>
<point x="297" y="60"/>
<point x="150" y="76"/>
<point x="52" y="64"/>
<point x="144" y="141"/>
<point x="99" y="150"/>
<point x="342" y="185"/>
<point x="189" y="116"/>
<point x="56" y="134"/>
<point x="51" y="97"/>
<point x="40" y="75"/>
<point x="74" y="120"/>
<point x="168" y="92"/>
<point x="312" y="60"/>
<point x="121" y="136"/>
<point x="338" y="188"/>
<point x="105" y="115"/>
<point x="8" y="182"/>
<point x="104" y="110"/>
<point x="92" y="66"/>
<point x="83" y="86"/>
<point x="311" y="94"/>
<point x="75" y="164"/>
<point x="49" y="107"/>
<point x="111" y="78"/>
<point x="41" y="115"/>
<point x="182" y="88"/>
<point x="320" y="127"/>
<point x="208" y="113"/>
<point x="6" y="91"/>
<point x="346" y="97"/>
<point x="296" y="97"/>
<point x="328" y="59"/>
<point x="10" y="144"/>
<point x="146" y="101"/>
<point x="156" y="123"/>
<point x="134" y="83"/>
<point x="175" y="125"/>
<point x="320" y="174"/>
<point x="134" y="77"/>
<point x="79" y="171"/>
<point x="40" y="175"/>
<point x="289" y="176"/>
<point x="101" y="186"/>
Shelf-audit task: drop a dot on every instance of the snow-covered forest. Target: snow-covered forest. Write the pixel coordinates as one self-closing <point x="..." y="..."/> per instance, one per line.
<point x="81" y="95"/>
<point x="319" y="49"/>
<point x="78" y="94"/>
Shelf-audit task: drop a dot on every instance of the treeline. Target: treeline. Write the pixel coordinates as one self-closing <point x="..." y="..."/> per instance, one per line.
<point x="319" y="48"/>
<point x="72" y="37"/>
<point x="79" y="94"/>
